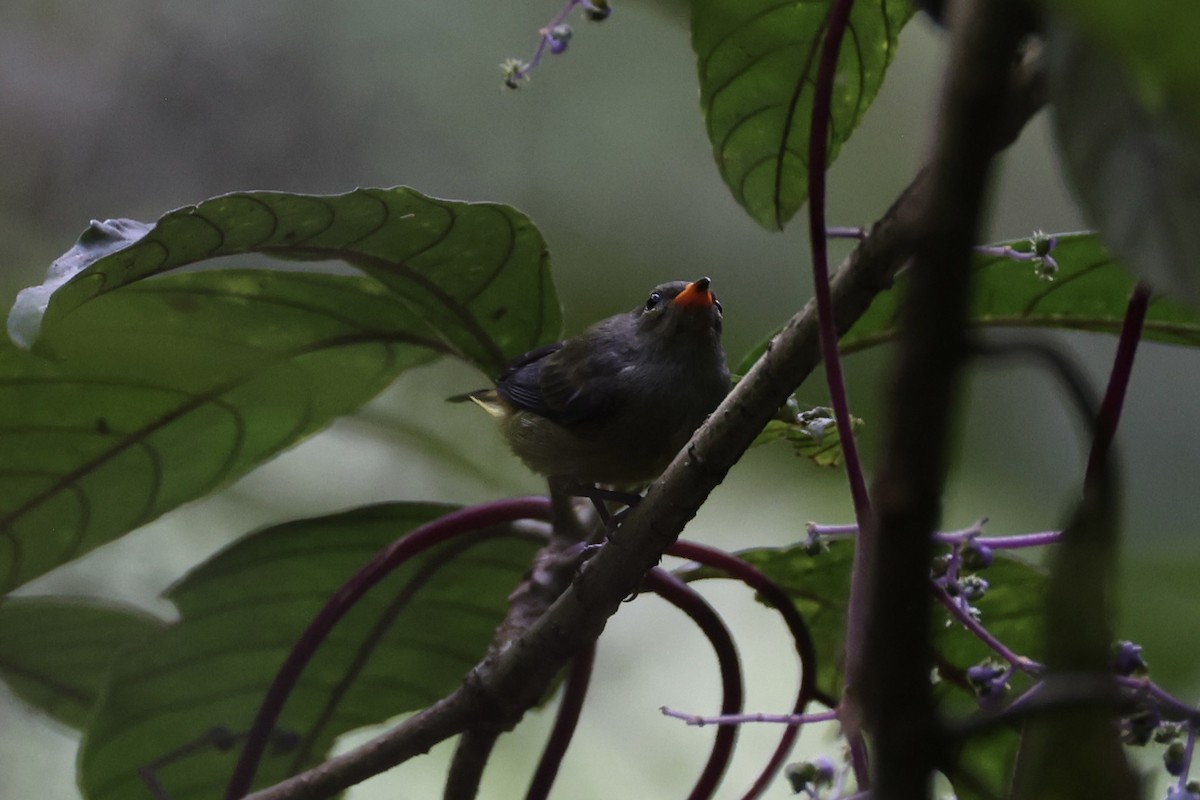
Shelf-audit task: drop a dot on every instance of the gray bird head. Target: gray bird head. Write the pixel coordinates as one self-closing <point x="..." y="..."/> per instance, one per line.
<point x="680" y="309"/>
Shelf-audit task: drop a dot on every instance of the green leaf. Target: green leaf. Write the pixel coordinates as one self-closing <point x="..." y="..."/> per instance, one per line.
<point x="407" y="643"/>
<point x="813" y="434"/>
<point x="758" y="66"/>
<point x="55" y="652"/>
<point x="172" y="388"/>
<point x="164" y="390"/>
<point x="1134" y="170"/>
<point x="984" y="765"/>
<point x="1088" y="292"/>
<point x="476" y="274"/>
<point x="1155" y="43"/>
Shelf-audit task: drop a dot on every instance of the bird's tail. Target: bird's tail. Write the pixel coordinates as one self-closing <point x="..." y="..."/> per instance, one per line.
<point x="487" y="399"/>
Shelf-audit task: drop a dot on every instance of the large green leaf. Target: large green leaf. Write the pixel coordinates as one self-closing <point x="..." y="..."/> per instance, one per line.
<point x="164" y="390"/>
<point x="1155" y="42"/>
<point x="169" y="389"/>
<point x="407" y="643"/>
<point x="1088" y="291"/>
<point x="55" y="652"/>
<point x="758" y="66"/>
<point x="1134" y="169"/>
<point x="475" y="274"/>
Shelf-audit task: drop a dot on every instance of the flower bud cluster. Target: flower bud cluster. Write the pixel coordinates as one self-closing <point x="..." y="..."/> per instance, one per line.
<point x="955" y="573"/>
<point x="989" y="679"/>
<point x="555" y="37"/>
<point x="818" y="778"/>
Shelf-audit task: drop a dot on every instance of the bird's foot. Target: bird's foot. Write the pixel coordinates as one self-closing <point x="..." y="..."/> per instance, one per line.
<point x="600" y="498"/>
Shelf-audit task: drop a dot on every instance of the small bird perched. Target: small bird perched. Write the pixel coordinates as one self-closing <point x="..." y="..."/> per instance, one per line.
<point x="614" y="404"/>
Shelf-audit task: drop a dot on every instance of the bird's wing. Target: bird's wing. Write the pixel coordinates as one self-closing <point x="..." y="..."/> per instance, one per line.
<point x="555" y="382"/>
<point x="520" y="385"/>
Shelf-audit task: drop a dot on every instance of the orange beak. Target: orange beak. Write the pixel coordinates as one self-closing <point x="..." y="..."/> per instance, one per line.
<point x="695" y="295"/>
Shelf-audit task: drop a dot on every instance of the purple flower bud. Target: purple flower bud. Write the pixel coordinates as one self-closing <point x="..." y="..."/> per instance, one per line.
<point x="988" y="679"/>
<point x="823" y="772"/>
<point x="1127" y="660"/>
<point x="1174" y="759"/>
<point x="976" y="556"/>
<point x="558" y="37"/>
<point x="981" y="674"/>
<point x="597" y="10"/>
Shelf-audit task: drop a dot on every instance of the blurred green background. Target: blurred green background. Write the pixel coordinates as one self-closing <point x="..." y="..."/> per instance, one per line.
<point x="133" y="108"/>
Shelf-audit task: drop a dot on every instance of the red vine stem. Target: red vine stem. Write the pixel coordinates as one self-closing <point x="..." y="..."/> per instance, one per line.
<point x="1118" y="382"/>
<point x="836" y="25"/>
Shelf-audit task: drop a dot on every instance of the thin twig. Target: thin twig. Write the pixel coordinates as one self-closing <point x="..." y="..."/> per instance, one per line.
<point x="741" y="719"/>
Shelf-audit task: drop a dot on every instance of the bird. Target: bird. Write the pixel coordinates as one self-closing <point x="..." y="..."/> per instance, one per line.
<point x="615" y="404"/>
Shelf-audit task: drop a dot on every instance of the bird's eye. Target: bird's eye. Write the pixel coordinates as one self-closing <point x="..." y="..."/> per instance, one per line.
<point x="653" y="301"/>
<point x="717" y="303"/>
